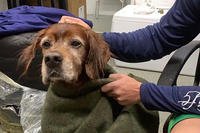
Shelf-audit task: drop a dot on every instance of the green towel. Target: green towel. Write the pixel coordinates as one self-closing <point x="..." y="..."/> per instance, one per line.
<point x="86" y="111"/>
<point x="67" y="110"/>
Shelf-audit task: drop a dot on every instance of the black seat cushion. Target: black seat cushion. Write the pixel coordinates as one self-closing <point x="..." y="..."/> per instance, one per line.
<point x="10" y="48"/>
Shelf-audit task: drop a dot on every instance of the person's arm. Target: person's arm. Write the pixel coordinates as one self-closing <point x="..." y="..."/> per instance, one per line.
<point x="183" y="99"/>
<point x="127" y="91"/>
<point x="178" y="27"/>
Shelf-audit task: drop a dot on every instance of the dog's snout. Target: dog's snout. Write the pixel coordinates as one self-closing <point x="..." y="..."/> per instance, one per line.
<point x="53" y="59"/>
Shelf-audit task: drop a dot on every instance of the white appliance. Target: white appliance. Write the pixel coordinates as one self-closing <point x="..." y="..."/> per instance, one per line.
<point x="164" y="4"/>
<point x="126" y="20"/>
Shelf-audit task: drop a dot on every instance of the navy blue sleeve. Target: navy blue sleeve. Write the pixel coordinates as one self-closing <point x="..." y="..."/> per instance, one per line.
<point x="182" y="99"/>
<point x="175" y="29"/>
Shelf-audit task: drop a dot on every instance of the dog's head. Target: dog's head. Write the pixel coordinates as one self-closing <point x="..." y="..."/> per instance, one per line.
<point x="71" y="53"/>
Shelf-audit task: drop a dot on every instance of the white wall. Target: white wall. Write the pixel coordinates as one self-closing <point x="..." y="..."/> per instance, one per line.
<point x="107" y="7"/>
<point x="90" y="6"/>
<point x="3" y="5"/>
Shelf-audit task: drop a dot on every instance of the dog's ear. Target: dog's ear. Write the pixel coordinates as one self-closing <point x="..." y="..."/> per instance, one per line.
<point x="97" y="57"/>
<point x="28" y="54"/>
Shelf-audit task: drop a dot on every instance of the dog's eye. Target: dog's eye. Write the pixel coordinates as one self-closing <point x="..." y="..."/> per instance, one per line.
<point x="75" y="43"/>
<point x="46" y="45"/>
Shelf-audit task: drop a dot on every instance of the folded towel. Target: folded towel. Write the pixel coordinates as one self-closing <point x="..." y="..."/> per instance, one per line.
<point x="67" y="110"/>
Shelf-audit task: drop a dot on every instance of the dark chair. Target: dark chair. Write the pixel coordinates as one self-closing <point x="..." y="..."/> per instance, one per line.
<point x="174" y="66"/>
<point x="12" y="45"/>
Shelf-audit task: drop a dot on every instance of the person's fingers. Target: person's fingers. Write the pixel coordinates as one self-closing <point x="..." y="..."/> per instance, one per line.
<point x="123" y="103"/>
<point x="112" y="85"/>
<point x="108" y="87"/>
<point x="111" y="94"/>
<point x="115" y="76"/>
<point x="72" y="20"/>
<point x="63" y="19"/>
<point x="119" y="100"/>
<point x="66" y="19"/>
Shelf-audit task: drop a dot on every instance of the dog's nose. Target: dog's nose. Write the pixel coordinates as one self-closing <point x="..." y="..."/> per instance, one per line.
<point x="53" y="59"/>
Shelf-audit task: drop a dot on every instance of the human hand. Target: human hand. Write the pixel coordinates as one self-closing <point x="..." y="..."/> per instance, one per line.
<point x="124" y="89"/>
<point x="72" y="20"/>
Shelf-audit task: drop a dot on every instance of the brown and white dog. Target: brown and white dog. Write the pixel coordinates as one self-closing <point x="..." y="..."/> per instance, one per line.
<point x="74" y="56"/>
<point x="71" y="53"/>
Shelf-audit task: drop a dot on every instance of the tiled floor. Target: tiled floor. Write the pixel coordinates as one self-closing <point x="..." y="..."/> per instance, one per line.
<point x="102" y="24"/>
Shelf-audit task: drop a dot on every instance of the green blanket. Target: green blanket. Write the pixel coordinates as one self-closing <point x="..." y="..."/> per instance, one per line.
<point x="86" y="111"/>
<point x="67" y="110"/>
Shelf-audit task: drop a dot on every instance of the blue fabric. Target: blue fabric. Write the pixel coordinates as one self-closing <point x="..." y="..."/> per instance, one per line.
<point x="176" y="99"/>
<point x="30" y="18"/>
<point x="178" y="27"/>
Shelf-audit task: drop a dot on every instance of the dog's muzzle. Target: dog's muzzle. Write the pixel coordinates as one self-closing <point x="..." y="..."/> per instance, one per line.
<point x="53" y="60"/>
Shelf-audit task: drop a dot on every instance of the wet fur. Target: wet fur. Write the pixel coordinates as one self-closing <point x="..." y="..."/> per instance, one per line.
<point x="78" y="64"/>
